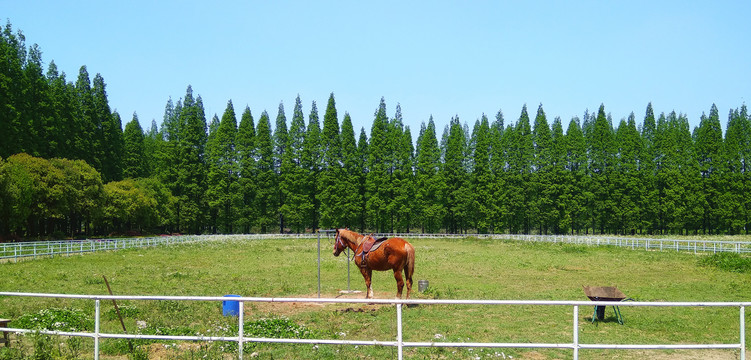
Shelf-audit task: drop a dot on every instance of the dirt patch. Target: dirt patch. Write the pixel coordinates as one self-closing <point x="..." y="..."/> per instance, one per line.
<point x="294" y="308"/>
<point x="533" y="355"/>
<point x="281" y="308"/>
<point x="706" y="354"/>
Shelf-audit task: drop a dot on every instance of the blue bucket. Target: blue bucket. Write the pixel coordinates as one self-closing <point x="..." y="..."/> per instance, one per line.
<point x="229" y="307"/>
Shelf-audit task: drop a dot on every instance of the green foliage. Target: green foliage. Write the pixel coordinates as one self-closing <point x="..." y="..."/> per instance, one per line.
<point x="330" y="180"/>
<point x="126" y="311"/>
<point x="727" y="262"/>
<point x="277" y="327"/>
<point x="56" y="319"/>
<point x="598" y="175"/>
<point x="134" y="156"/>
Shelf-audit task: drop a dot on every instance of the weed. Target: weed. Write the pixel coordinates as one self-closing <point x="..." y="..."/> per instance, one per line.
<point x="127" y="312"/>
<point x="728" y="262"/>
<point x="96" y="280"/>
<point x="55" y="319"/>
<point x="171" y="306"/>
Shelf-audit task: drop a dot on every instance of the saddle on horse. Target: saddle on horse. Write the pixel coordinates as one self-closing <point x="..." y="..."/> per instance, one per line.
<point x="368" y="244"/>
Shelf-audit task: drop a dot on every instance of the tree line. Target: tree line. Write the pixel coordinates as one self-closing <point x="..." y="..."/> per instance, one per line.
<point x="71" y="170"/>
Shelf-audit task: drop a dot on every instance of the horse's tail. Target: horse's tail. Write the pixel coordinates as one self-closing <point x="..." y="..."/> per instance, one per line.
<point x="410" y="266"/>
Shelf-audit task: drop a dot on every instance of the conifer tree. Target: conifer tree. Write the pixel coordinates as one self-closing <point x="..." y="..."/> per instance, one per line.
<point x="458" y="196"/>
<point x="498" y="166"/>
<point x="377" y="187"/>
<point x="521" y="150"/>
<point x="560" y="179"/>
<point x="602" y="155"/>
<point x="737" y="148"/>
<point x="330" y="177"/>
<point x="134" y="156"/>
<point x="109" y="131"/>
<point x="428" y="180"/>
<point x="362" y="159"/>
<point x="628" y="189"/>
<point x="352" y="169"/>
<point x="400" y="160"/>
<point x="311" y="163"/>
<point x="404" y="191"/>
<point x="541" y="211"/>
<point x="223" y="189"/>
<point x="192" y="165"/>
<point x="86" y="142"/>
<point x="62" y="102"/>
<point x="35" y="109"/>
<point x="12" y="57"/>
<point x="648" y="173"/>
<point x="246" y="161"/>
<point x="152" y="142"/>
<point x="576" y="164"/>
<point x="266" y="179"/>
<point x="711" y="165"/>
<point x="281" y="147"/>
<point x="480" y="180"/>
<point x="296" y="205"/>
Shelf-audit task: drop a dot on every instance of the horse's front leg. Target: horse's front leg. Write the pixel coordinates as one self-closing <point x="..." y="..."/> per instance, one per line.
<point x="367" y="273"/>
<point x="399" y="282"/>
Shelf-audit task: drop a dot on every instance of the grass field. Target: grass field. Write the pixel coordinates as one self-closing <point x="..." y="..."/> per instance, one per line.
<point x="456" y="269"/>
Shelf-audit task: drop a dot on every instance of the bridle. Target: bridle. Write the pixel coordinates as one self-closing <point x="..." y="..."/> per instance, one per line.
<point x="344" y="246"/>
<point x="339" y="242"/>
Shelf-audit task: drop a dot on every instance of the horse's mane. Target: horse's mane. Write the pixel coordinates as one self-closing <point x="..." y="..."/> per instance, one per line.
<point x="352" y="236"/>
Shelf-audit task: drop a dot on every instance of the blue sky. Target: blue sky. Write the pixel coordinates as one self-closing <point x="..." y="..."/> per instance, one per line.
<point x="443" y="58"/>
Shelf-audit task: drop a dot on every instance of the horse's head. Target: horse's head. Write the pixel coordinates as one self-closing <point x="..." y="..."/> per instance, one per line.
<point x="339" y="244"/>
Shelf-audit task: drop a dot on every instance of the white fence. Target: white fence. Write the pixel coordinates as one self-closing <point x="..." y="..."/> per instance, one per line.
<point x="16" y="251"/>
<point x="398" y="342"/>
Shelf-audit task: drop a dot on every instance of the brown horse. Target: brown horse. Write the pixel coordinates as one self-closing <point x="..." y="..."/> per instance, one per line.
<point x="393" y="254"/>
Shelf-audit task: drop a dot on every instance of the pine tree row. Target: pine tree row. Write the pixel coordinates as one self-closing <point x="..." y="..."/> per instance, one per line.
<point x="223" y="176"/>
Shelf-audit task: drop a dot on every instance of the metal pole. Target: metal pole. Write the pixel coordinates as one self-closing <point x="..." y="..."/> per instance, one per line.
<point x="348" y="270"/>
<point x="319" y="264"/>
<point x="576" y="332"/>
<point x="241" y="332"/>
<point x="743" y="333"/>
<point x="96" y="331"/>
<point x="399" y="329"/>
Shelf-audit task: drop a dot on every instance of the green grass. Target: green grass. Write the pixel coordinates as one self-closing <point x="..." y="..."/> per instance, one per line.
<point x="456" y="269"/>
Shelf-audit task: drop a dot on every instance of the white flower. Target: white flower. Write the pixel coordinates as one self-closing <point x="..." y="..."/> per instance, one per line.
<point x="438" y="336"/>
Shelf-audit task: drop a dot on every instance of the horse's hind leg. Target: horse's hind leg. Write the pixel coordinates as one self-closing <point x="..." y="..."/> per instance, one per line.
<point x="399" y="283"/>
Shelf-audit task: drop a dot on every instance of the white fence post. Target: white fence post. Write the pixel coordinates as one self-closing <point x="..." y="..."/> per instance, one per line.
<point x="96" y="331"/>
<point x="743" y="333"/>
<point x="241" y="332"/>
<point x="399" y="329"/>
<point x="576" y="332"/>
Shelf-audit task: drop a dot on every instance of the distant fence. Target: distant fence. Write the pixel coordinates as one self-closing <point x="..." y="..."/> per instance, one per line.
<point x="575" y="345"/>
<point x="18" y="250"/>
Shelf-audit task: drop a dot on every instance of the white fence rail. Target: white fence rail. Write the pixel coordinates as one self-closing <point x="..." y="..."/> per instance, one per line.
<point x="575" y="345"/>
<point x="16" y="251"/>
